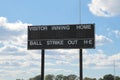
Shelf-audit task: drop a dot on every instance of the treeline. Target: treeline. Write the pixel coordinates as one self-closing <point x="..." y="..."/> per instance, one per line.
<point x="74" y="77"/>
<point x="57" y="77"/>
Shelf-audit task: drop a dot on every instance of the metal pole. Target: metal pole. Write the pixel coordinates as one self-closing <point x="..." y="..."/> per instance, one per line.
<point x="42" y="64"/>
<point x="80" y="50"/>
<point x="81" y="64"/>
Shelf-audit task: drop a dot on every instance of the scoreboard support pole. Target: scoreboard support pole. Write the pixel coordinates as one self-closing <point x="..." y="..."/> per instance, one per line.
<point x="42" y="63"/>
<point x="81" y="64"/>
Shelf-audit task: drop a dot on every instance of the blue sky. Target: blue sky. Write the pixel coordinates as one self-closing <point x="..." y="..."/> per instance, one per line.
<point x="18" y="62"/>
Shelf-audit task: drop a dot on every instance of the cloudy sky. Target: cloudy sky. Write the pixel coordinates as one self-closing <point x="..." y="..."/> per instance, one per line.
<point x="18" y="62"/>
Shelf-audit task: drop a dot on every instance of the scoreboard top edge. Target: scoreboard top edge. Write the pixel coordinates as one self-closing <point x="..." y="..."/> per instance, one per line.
<point x="93" y="24"/>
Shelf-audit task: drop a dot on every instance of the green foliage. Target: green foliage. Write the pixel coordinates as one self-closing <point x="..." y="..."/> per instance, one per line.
<point x="117" y="78"/>
<point x="110" y="77"/>
<point x="59" y="77"/>
<point x="65" y="78"/>
<point x="62" y="77"/>
<point x="73" y="77"/>
<point x="36" y="78"/>
<point x="86" y="78"/>
<point x="49" y="77"/>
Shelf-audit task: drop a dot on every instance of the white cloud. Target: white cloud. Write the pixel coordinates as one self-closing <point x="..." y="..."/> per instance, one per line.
<point x="101" y="40"/>
<point x="17" y="26"/>
<point x="50" y="64"/>
<point x="64" y="56"/>
<point x="100" y="60"/>
<point x="58" y="70"/>
<point x="62" y="63"/>
<point x="13" y="48"/>
<point x="96" y="60"/>
<point x="105" y="8"/>
<point x="116" y="33"/>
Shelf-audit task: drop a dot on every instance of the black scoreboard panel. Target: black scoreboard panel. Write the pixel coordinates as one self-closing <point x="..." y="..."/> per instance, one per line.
<point x="61" y="36"/>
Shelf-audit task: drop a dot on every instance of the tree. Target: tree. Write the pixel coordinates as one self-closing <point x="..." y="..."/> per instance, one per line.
<point x="49" y="77"/>
<point x="36" y="78"/>
<point x="108" y="77"/>
<point x="72" y="77"/>
<point x="59" y="77"/>
<point x="117" y="78"/>
<point x="86" y="78"/>
<point x="65" y="77"/>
